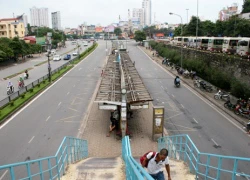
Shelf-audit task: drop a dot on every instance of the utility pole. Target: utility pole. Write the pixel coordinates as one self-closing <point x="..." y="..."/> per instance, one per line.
<point x="187" y="15"/>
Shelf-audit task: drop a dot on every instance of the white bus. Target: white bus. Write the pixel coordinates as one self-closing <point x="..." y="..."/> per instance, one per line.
<point x="184" y="41"/>
<point x="203" y="43"/>
<point x="215" y="44"/>
<point x="243" y="47"/>
<point x="230" y="45"/>
<point x="192" y="42"/>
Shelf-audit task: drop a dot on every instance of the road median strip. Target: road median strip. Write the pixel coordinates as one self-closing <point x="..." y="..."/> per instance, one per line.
<point x="14" y="105"/>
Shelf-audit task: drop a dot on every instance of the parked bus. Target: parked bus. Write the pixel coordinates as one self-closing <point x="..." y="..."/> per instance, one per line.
<point x="230" y="45"/>
<point x="203" y="43"/>
<point x="192" y="42"/>
<point x="243" y="47"/>
<point x="184" y="41"/>
<point x="215" y="44"/>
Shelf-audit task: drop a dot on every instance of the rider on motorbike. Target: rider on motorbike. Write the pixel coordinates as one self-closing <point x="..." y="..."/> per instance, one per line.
<point x="26" y="74"/>
<point x="21" y="81"/>
<point x="10" y="85"/>
<point x="177" y="80"/>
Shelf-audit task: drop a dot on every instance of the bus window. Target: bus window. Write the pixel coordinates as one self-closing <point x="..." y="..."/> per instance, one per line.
<point x="243" y="43"/>
<point x="218" y="42"/>
<point x="204" y="41"/>
<point x="210" y="41"/>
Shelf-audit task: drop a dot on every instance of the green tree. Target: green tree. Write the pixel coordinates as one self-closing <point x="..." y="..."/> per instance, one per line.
<point x="246" y="7"/>
<point x="177" y="31"/>
<point x="117" y="31"/>
<point x="140" y="36"/>
<point x="190" y="28"/>
<point x="207" y="28"/>
<point x="220" y="28"/>
<point x="29" y="29"/>
<point x="16" y="46"/>
<point x="5" y="52"/>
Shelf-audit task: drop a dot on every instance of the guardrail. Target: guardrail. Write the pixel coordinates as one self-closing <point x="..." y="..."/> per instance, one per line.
<point x="134" y="170"/>
<point x="71" y="150"/>
<point x="204" y="165"/>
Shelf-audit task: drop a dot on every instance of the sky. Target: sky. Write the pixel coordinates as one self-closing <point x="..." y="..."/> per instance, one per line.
<point x="105" y="12"/>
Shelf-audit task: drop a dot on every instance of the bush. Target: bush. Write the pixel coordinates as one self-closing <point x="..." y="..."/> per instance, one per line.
<point x="31" y="90"/>
<point x="11" y="103"/>
<point x="22" y="95"/>
<point x="38" y="85"/>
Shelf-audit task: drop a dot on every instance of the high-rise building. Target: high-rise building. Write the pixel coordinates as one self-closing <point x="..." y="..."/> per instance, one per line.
<point x="146" y="5"/>
<point x="226" y="13"/>
<point x="56" y="20"/>
<point x="139" y="13"/>
<point x="39" y="17"/>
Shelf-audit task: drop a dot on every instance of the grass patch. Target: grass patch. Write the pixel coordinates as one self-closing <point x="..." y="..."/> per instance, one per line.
<point x="19" y="101"/>
<point x="16" y="74"/>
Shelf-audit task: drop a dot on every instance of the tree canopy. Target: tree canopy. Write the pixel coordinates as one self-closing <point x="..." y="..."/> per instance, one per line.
<point x="117" y="31"/>
<point x="246" y="7"/>
<point x="140" y="36"/>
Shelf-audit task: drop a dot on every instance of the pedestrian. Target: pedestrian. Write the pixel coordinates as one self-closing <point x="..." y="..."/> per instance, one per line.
<point x="114" y="117"/>
<point x="154" y="162"/>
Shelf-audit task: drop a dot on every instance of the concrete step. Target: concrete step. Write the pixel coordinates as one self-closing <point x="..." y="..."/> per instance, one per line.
<point x="96" y="168"/>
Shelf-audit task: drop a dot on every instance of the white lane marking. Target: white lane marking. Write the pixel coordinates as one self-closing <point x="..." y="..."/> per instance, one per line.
<point x="68" y="93"/>
<point x="10" y="119"/>
<point x="48" y="118"/>
<point x="173" y="95"/>
<point x="3" y="174"/>
<point x="162" y="87"/>
<point x="182" y="106"/>
<point x="31" y="139"/>
<point x="174" y="115"/>
<point x="59" y="103"/>
<point x="215" y="142"/>
<point x="80" y="69"/>
<point x="195" y="121"/>
<point x="199" y="96"/>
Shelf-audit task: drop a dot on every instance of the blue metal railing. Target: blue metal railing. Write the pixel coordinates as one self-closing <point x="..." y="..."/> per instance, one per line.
<point x="204" y="165"/>
<point x="71" y="150"/>
<point x="134" y="170"/>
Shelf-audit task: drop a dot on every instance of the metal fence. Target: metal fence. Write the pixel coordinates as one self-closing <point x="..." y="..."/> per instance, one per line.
<point x="133" y="169"/>
<point x="70" y="151"/>
<point x="204" y="165"/>
<point x="16" y="94"/>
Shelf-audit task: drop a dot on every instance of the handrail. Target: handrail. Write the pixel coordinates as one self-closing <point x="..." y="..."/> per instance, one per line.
<point x="204" y="165"/>
<point x="133" y="169"/>
<point x="53" y="167"/>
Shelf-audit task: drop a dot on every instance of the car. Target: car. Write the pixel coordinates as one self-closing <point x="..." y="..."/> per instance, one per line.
<point x="85" y="44"/>
<point x="74" y="42"/>
<point x="57" y="58"/>
<point x="75" y="54"/>
<point x="67" y="57"/>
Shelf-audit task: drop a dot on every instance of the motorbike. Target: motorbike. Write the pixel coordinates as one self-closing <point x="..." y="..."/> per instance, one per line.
<point x="197" y="83"/>
<point x="20" y="84"/>
<point x="221" y="95"/>
<point x="205" y="87"/>
<point x="26" y="76"/>
<point x="243" y="112"/>
<point x="229" y="105"/>
<point x="10" y="90"/>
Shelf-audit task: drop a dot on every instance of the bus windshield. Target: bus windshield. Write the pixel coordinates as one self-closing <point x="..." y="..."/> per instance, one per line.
<point x="243" y="43"/>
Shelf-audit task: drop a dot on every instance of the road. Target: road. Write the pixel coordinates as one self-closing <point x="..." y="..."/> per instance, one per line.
<point x="36" y="72"/>
<point x="38" y="129"/>
<point x="187" y="113"/>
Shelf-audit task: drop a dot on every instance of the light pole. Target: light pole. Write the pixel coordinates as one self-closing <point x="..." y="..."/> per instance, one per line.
<point x="49" y="35"/>
<point x="187" y="15"/>
<point x="197" y="25"/>
<point x="181" y="35"/>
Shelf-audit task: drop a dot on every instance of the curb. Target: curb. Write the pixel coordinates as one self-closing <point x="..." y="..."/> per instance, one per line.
<point x="242" y="122"/>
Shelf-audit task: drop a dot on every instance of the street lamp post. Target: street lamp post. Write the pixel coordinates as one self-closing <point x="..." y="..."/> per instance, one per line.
<point x="187" y="15"/>
<point x="49" y="66"/>
<point x="181" y="35"/>
<point x="197" y="25"/>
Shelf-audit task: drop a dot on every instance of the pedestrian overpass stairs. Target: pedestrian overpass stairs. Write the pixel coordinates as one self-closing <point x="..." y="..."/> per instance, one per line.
<point x="114" y="169"/>
<point x="72" y="160"/>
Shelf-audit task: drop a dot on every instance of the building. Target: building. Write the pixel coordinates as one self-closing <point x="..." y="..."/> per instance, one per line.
<point x="56" y="20"/>
<point x="146" y="5"/>
<point x="226" y="13"/>
<point x="12" y="27"/>
<point x="39" y="17"/>
<point x="245" y="16"/>
<point x="139" y="13"/>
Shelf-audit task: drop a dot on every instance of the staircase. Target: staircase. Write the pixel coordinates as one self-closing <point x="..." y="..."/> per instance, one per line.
<point x="96" y="168"/>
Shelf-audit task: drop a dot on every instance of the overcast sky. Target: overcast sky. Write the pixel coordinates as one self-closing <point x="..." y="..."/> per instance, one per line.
<point x="104" y="12"/>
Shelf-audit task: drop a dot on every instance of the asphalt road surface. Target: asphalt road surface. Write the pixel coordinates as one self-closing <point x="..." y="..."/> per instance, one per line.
<point x="38" y="129"/>
<point x="37" y="71"/>
<point x="188" y="113"/>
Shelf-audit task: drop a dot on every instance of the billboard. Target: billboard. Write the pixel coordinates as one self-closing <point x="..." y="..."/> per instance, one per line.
<point x="41" y="40"/>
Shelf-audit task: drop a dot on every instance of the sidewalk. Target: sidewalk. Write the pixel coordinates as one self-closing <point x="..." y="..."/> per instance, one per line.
<point x="208" y="96"/>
